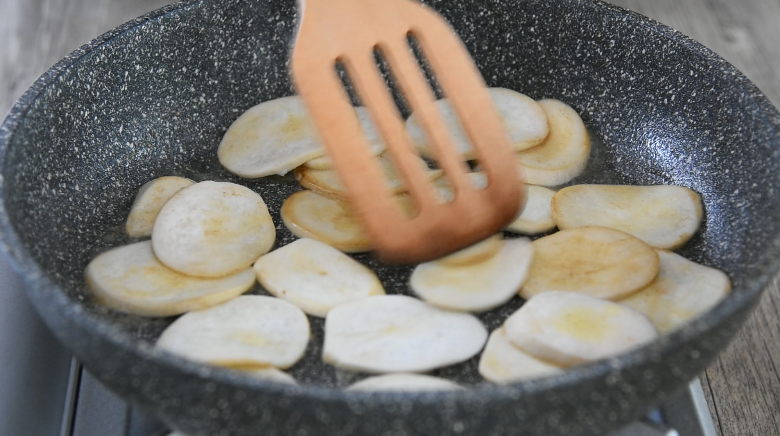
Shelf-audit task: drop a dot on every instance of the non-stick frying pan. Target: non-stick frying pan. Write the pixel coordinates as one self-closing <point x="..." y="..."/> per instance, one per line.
<point x="153" y="98"/>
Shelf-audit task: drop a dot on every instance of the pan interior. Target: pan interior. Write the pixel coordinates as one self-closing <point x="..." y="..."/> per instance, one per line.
<point x="156" y="100"/>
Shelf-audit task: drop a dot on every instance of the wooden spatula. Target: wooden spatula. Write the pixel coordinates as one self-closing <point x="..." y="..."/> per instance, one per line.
<point x="348" y="32"/>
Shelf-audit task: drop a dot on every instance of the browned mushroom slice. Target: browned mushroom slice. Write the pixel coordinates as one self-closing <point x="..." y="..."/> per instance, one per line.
<point x="597" y="261"/>
<point x="563" y="154"/>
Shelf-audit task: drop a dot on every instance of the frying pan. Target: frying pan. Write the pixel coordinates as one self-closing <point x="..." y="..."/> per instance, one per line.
<point x="154" y="96"/>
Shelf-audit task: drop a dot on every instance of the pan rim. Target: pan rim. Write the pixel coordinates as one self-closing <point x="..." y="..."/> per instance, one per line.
<point x="37" y="284"/>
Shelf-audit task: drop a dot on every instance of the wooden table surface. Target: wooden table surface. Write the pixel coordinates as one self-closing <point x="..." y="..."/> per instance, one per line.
<point x="743" y="386"/>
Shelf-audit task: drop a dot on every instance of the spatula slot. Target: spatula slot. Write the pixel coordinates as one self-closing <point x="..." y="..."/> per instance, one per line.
<point x="398" y="97"/>
<point x="425" y="66"/>
<point x="364" y="77"/>
<point x="341" y="72"/>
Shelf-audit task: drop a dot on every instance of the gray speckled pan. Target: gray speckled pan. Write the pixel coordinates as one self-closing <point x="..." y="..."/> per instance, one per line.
<point x="154" y="97"/>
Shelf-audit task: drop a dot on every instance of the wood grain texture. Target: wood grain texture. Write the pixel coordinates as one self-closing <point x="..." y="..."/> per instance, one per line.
<point x="743" y="386"/>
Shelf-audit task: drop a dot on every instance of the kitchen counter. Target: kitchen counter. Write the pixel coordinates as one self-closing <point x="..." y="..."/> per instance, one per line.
<point x="742" y="386"/>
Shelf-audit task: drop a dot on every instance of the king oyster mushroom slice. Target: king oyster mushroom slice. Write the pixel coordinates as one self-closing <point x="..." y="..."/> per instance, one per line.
<point x="536" y="216"/>
<point x="474" y="254"/>
<point x="327" y="182"/>
<point x="563" y="154"/>
<point x="597" y="261"/>
<point x="682" y="291"/>
<point x="475" y="287"/>
<point x="501" y="362"/>
<point x="403" y="382"/>
<point x="663" y="216"/>
<point x="396" y="333"/>
<point x="315" y="277"/>
<point x="268" y="373"/>
<point x="310" y="215"/>
<point x="148" y="202"/>
<point x="271" y="138"/>
<point x="212" y="229"/>
<point x="370" y="133"/>
<point x="524" y="119"/>
<point x="131" y="279"/>
<point x="568" y="329"/>
<point x="251" y="330"/>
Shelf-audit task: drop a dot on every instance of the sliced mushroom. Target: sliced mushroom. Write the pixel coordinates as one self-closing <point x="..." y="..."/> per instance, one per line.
<point x="250" y="330"/>
<point x="310" y="215"/>
<point x="370" y="133"/>
<point x="148" y="202"/>
<point x="502" y="363"/>
<point x="563" y="154"/>
<point x="568" y="329"/>
<point x="682" y="291"/>
<point x="596" y="261"/>
<point x="131" y="279"/>
<point x="474" y="254"/>
<point x="327" y="182"/>
<point x="405" y="383"/>
<point x="663" y="216"/>
<point x="536" y="217"/>
<point x="268" y="373"/>
<point x="315" y="277"/>
<point x="524" y="119"/>
<point x="212" y="229"/>
<point x="395" y="333"/>
<point x="478" y="286"/>
<point x="271" y="138"/>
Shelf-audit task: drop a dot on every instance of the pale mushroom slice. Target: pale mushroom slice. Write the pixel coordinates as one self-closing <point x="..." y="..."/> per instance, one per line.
<point x="525" y="122"/>
<point x="474" y="254"/>
<point x="212" y="229"/>
<point x="663" y="216"/>
<point x="370" y="133"/>
<point x="310" y="215"/>
<point x="268" y="373"/>
<point x="536" y="217"/>
<point x="251" y="330"/>
<point x="315" y="277"/>
<point x="503" y="363"/>
<point x="271" y="138"/>
<point x="131" y="279"/>
<point x="478" y="286"/>
<point x="327" y="182"/>
<point x="396" y="333"/>
<point x="403" y="382"/>
<point x="150" y="199"/>
<point x="597" y="261"/>
<point x="563" y="154"/>
<point x="682" y="291"/>
<point x="568" y="329"/>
